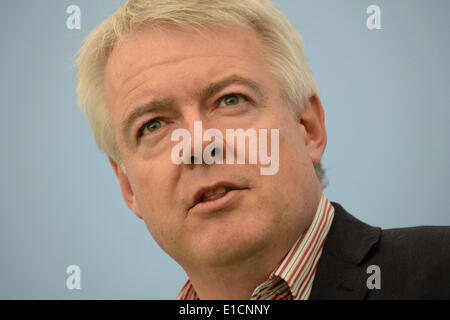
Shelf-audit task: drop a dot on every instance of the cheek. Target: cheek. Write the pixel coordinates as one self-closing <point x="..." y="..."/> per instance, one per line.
<point x="296" y="170"/>
<point x="293" y="155"/>
<point x="160" y="216"/>
<point x="149" y="199"/>
<point x="154" y="197"/>
<point x="151" y="180"/>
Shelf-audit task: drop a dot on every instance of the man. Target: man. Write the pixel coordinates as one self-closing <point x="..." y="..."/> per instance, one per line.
<point x="158" y="75"/>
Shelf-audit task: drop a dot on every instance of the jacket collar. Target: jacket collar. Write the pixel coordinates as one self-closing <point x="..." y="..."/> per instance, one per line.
<point x="340" y="273"/>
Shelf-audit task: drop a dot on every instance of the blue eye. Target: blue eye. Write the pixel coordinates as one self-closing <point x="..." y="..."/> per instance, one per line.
<point x="153" y="125"/>
<point x="232" y="99"/>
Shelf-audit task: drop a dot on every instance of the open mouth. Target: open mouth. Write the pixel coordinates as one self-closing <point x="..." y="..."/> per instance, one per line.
<point x="212" y="195"/>
<point x="216" y="197"/>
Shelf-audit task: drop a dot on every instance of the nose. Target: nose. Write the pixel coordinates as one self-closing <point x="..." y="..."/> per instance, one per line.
<point x="202" y="147"/>
<point x="195" y="159"/>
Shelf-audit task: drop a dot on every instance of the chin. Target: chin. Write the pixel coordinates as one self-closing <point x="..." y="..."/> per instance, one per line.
<point x="231" y="248"/>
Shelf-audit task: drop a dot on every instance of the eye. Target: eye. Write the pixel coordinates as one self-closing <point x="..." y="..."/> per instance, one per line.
<point x="232" y="99"/>
<point x="152" y="126"/>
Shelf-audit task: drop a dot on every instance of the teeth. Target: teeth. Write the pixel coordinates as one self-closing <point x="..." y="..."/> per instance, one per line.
<point x="218" y="190"/>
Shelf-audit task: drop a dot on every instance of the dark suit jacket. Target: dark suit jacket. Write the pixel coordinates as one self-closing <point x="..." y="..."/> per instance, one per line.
<point x="414" y="263"/>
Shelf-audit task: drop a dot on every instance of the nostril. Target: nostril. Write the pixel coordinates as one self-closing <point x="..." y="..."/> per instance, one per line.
<point x="194" y="159"/>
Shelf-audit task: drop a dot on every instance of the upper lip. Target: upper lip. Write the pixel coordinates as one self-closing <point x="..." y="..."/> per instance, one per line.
<point x="200" y="192"/>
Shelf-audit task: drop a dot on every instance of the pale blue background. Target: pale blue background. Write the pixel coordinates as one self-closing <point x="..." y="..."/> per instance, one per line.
<point x="386" y="96"/>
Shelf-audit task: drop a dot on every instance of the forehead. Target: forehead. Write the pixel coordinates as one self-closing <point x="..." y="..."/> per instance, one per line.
<point x="158" y="48"/>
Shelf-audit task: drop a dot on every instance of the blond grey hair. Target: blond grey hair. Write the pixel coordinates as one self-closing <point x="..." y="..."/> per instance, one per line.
<point x="287" y="62"/>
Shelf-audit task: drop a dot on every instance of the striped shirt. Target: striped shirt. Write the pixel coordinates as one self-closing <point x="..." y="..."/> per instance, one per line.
<point x="292" y="279"/>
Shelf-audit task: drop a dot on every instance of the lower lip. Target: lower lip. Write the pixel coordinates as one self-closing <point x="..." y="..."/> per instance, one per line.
<point x="224" y="202"/>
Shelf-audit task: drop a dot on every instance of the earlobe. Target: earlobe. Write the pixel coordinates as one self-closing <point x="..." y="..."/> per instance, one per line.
<point x="125" y="186"/>
<point x="313" y="121"/>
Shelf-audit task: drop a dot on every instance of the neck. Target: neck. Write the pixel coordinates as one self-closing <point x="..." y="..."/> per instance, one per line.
<point x="237" y="281"/>
<point x="233" y="283"/>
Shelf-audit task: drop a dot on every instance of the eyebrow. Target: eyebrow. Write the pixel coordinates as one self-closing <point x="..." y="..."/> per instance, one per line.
<point x="152" y="106"/>
<point x="210" y="90"/>
<point x="216" y="87"/>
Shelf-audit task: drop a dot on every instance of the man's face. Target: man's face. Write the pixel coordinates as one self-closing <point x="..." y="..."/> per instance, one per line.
<point x="258" y="213"/>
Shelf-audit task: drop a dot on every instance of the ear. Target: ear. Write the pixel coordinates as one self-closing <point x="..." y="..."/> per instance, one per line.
<point x="313" y="121"/>
<point x="125" y="186"/>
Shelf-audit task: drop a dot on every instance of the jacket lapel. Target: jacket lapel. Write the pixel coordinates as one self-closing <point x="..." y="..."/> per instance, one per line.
<point x="340" y="273"/>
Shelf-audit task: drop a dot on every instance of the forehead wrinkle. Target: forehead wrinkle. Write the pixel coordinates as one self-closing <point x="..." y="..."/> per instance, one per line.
<point x="157" y="64"/>
<point x="138" y="40"/>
